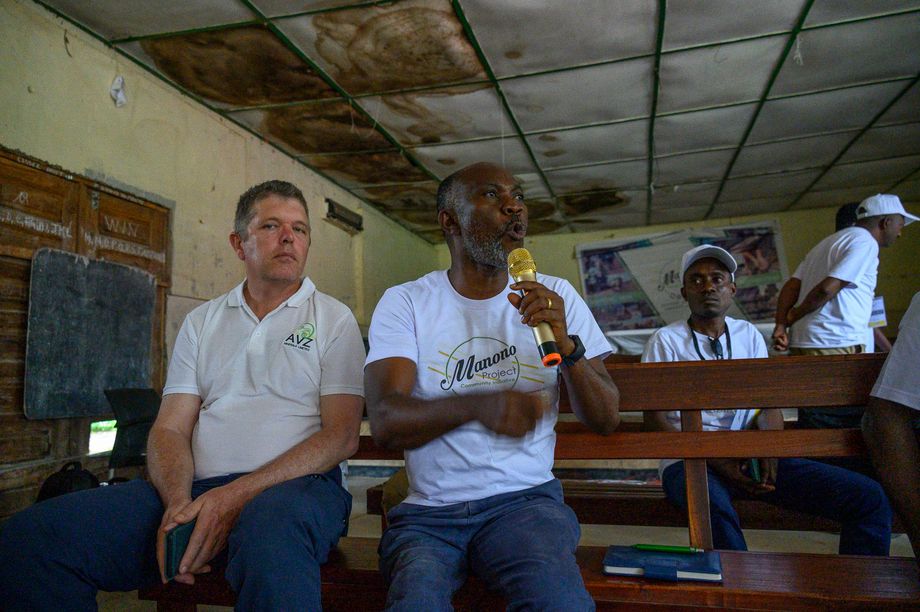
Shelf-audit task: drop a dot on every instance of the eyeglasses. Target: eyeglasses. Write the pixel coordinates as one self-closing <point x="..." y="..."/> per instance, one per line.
<point x="716" y="348"/>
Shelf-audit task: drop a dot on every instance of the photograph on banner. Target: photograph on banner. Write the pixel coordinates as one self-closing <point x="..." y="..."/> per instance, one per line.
<point x="760" y="271"/>
<point x="634" y="283"/>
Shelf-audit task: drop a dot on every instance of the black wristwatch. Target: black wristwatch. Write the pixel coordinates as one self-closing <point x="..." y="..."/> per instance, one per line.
<point x="579" y="352"/>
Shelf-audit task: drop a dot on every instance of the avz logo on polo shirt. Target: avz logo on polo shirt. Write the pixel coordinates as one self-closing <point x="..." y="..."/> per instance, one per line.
<point x="302" y="337"/>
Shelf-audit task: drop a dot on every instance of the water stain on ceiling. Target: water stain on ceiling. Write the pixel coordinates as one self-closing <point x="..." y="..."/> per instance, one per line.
<point x="392" y="197"/>
<point x="327" y="127"/>
<point x="581" y="203"/>
<point x="408" y="44"/>
<point x="240" y="66"/>
<point x="370" y="168"/>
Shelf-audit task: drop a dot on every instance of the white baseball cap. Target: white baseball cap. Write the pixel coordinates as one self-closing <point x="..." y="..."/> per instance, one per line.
<point x="884" y="204"/>
<point x="708" y="250"/>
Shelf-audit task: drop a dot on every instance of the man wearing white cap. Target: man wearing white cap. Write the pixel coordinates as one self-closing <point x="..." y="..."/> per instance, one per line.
<point x="836" y="282"/>
<point x="857" y="502"/>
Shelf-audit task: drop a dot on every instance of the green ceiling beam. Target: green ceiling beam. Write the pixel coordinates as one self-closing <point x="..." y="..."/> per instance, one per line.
<point x="656" y="82"/>
<point x="468" y="30"/>
<point x="790" y="42"/>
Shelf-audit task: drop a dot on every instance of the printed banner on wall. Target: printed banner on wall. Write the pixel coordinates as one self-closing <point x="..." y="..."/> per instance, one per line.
<point x="635" y="283"/>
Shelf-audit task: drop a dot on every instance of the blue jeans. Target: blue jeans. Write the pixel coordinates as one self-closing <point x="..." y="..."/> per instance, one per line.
<point x="857" y="502"/>
<point x="58" y="553"/>
<point x="521" y="544"/>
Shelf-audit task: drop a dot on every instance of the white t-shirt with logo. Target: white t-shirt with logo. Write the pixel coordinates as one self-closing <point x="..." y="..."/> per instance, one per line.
<point x="464" y="347"/>
<point x="850" y="255"/>
<point x="899" y="380"/>
<point x="675" y="343"/>
<point x="260" y="381"/>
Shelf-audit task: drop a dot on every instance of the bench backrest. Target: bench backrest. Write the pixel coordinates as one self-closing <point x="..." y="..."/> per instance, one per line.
<point x="783" y="382"/>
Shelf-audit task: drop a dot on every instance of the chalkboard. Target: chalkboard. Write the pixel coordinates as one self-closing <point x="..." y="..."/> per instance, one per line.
<point x="90" y="327"/>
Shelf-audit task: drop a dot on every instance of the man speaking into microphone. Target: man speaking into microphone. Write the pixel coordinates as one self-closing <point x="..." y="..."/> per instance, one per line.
<point x="456" y="379"/>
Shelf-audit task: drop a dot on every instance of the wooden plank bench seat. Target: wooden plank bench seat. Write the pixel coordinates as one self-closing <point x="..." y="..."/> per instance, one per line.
<point x="781" y="581"/>
<point x="754" y="581"/>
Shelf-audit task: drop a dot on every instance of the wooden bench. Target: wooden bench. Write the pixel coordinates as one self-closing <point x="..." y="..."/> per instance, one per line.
<point x="777" y="581"/>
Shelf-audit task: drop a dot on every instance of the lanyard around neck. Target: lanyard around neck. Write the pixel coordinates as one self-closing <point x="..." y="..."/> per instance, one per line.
<point x="696" y="344"/>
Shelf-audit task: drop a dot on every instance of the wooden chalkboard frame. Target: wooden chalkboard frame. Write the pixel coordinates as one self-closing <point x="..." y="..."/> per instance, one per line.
<point x="90" y="328"/>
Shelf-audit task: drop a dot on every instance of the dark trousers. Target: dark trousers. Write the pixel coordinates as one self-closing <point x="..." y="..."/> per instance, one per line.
<point x="858" y="503"/>
<point x="58" y="553"/>
<point x="521" y="544"/>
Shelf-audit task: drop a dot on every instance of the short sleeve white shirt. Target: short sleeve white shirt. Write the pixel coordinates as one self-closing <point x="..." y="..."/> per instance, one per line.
<point x="675" y="343"/>
<point x="850" y="255"/>
<point x="464" y="347"/>
<point x="899" y="380"/>
<point x="260" y="381"/>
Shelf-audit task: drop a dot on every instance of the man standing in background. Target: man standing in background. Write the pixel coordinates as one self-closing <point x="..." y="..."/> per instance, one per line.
<point x="836" y="283"/>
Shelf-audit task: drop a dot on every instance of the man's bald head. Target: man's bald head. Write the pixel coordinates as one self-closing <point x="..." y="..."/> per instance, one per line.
<point x="451" y="188"/>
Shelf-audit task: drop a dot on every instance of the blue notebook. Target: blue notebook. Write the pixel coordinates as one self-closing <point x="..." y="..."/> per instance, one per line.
<point x="627" y="561"/>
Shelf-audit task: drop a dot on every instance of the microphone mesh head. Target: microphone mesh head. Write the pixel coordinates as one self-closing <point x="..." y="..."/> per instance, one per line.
<point x="520" y="260"/>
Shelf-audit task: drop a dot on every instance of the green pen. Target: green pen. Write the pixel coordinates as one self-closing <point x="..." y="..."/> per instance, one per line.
<point x="755" y="471"/>
<point x="668" y="548"/>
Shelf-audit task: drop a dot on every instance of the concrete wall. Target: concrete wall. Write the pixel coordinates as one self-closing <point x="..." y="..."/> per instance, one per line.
<point x="55" y="105"/>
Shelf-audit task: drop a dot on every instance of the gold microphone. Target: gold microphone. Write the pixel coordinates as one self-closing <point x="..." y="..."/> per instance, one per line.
<point x="522" y="268"/>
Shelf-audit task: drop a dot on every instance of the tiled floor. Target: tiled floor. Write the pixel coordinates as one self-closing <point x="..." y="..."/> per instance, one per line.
<point x="362" y="524"/>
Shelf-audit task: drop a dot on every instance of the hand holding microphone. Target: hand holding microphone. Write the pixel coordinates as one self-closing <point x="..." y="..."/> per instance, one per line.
<point x="523" y="270"/>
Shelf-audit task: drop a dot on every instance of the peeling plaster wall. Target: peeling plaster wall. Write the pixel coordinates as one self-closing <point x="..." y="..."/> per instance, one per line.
<point x="800" y="230"/>
<point x="55" y="105"/>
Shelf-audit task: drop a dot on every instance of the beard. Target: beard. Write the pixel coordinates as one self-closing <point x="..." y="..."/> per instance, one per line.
<point x="483" y="244"/>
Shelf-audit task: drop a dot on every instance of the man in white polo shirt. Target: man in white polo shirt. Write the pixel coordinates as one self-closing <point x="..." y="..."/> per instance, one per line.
<point x="892" y="420"/>
<point x="836" y="283"/>
<point x="262" y="401"/>
<point x="854" y="500"/>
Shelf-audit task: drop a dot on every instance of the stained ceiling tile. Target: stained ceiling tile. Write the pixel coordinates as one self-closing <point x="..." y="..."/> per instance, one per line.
<point x="447" y="159"/>
<point x="687" y="25"/>
<point x="829" y="111"/>
<point x="752" y="206"/>
<point x="832" y="11"/>
<point x="684" y="196"/>
<point x="597" y="94"/>
<point x="275" y="8"/>
<point x="533" y="185"/>
<point x="691" y="167"/>
<point x="905" y="110"/>
<point x="540" y="209"/>
<point x="732" y="73"/>
<point x="606" y="31"/>
<point x="679" y="215"/>
<point x="853" y="53"/>
<point x="795" y="154"/>
<point x="601" y="143"/>
<point x="237" y="67"/>
<point x="629" y="214"/>
<point x="319" y="127"/>
<point x="623" y="175"/>
<point x="580" y="204"/>
<point x="359" y="169"/>
<point x="115" y="19"/>
<point x="706" y="129"/>
<point x="888" y="141"/>
<point x="888" y="171"/>
<point x="786" y="183"/>
<point x="417" y="196"/>
<point x="413" y="43"/>
<point x="451" y="114"/>
<point x="838" y="197"/>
